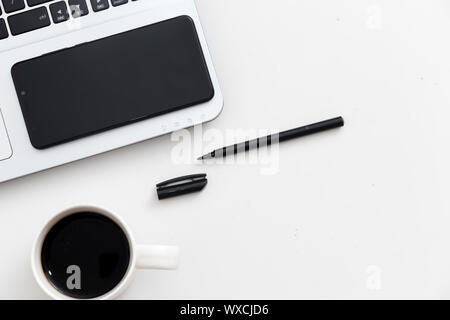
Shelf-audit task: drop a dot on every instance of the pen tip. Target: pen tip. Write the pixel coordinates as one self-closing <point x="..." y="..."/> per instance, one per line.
<point x="206" y="156"/>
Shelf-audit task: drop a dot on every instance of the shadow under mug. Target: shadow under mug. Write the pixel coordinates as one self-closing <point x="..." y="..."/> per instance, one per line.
<point x="141" y="256"/>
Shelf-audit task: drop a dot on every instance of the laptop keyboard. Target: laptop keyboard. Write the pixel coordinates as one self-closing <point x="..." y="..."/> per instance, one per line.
<point x="35" y="17"/>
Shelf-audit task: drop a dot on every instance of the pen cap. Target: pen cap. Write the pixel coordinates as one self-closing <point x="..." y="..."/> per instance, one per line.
<point x="182" y="185"/>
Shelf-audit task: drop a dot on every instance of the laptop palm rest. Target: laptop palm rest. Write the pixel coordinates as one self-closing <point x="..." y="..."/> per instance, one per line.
<point x="107" y="83"/>
<point x="5" y="147"/>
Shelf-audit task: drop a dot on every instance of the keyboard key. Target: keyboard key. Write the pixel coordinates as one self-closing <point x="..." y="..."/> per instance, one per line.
<point x="32" y="3"/>
<point x="59" y="12"/>
<point x="116" y="3"/>
<point x="13" y="5"/>
<point x="78" y="8"/>
<point x="3" y="30"/>
<point x="99" y="5"/>
<point x="28" y="21"/>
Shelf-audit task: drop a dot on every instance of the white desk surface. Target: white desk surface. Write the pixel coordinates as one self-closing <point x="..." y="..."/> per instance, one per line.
<point x="361" y="212"/>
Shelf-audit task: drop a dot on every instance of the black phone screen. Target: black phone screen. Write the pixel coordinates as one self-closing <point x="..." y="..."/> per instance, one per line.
<point x="107" y="83"/>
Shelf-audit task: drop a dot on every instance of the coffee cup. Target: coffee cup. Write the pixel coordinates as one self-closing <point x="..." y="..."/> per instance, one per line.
<point x="87" y="252"/>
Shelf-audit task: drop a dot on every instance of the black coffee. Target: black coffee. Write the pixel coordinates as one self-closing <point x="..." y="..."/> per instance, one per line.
<point x="85" y="255"/>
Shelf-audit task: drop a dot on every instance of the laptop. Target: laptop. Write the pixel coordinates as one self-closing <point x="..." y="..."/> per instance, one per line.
<point x="82" y="77"/>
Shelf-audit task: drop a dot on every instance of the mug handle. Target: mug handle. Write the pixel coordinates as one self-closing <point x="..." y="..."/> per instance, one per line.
<point x="157" y="257"/>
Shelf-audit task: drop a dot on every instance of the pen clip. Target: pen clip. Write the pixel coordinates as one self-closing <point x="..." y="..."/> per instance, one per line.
<point x="180" y="180"/>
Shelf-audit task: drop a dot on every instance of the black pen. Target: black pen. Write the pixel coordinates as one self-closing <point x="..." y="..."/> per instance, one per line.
<point x="274" y="138"/>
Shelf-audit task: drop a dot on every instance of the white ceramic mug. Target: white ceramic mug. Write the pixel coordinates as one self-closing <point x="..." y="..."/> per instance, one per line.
<point x="141" y="256"/>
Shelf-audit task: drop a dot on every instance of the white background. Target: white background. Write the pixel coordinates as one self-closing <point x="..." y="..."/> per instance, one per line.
<point x="360" y="212"/>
